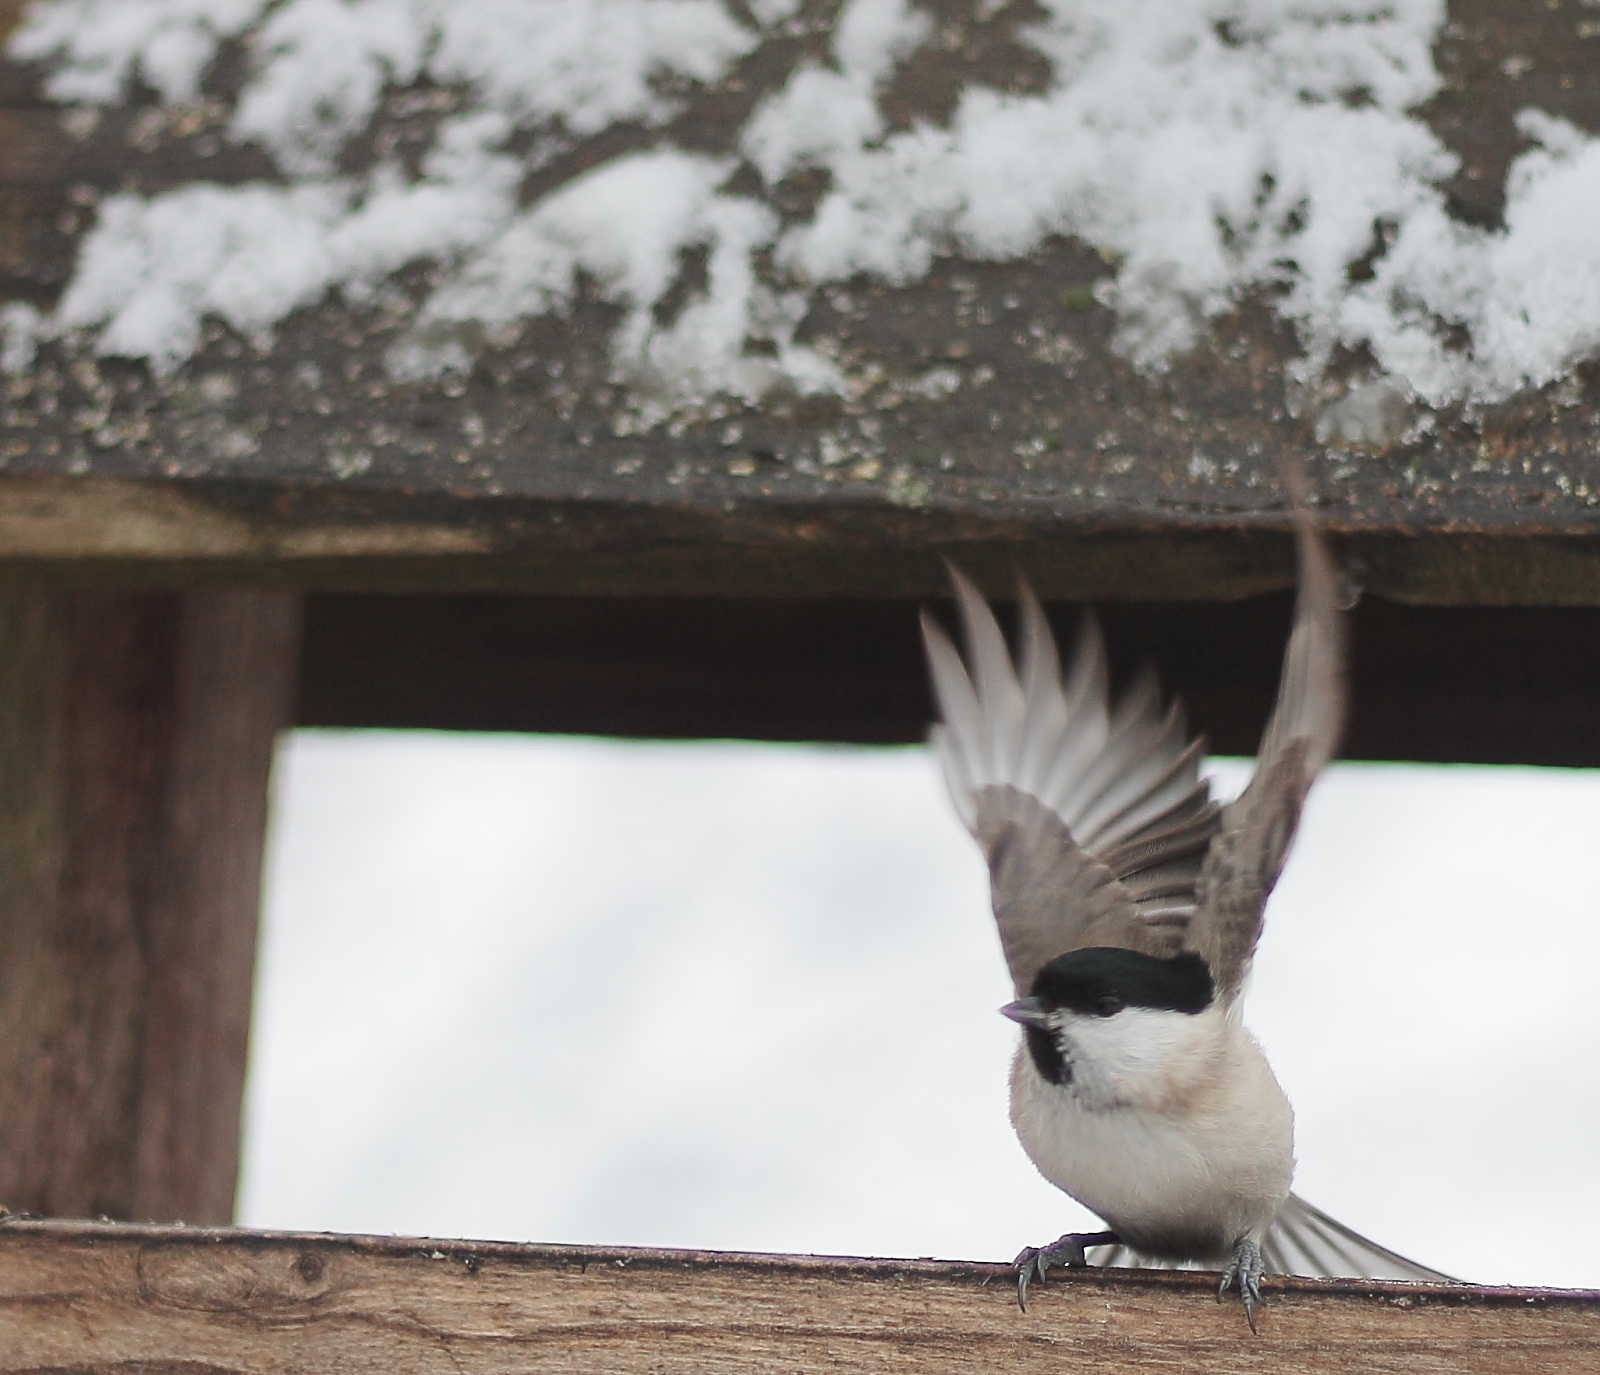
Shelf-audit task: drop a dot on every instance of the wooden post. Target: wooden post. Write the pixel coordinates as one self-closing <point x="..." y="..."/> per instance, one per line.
<point x="136" y="734"/>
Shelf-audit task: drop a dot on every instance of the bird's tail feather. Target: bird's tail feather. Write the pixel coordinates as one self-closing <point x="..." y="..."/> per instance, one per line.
<point x="1303" y="1240"/>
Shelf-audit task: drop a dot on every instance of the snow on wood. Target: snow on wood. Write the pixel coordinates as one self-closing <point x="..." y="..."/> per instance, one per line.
<point x="329" y="286"/>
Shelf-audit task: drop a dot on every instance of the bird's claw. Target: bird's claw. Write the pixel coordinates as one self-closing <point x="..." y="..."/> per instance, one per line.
<point x="1245" y="1271"/>
<point x="1068" y="1250"/>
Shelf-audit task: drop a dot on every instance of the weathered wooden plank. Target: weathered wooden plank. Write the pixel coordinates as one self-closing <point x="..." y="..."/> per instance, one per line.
<point x="233" y="684"/>
<point x="1487" y="685"/>
<point x="310" y="466"/>
<point x="88" y="533"/>
<point x="136" y="734"/>
<point x="122" y="1299"/>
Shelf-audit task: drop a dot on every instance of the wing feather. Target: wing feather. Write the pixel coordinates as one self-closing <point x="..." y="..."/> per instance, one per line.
<point x="1047" y="717"/>
<point x="1123" y="785"/>
<point x="1245" y="859"/>
<point x="999" y="693"/>
<point x="1054" y="784"/>
<point x="1129" y="734"/>
<point x="1049" y="895"/>
<point x="1088" y="725"/>
<point x="957" y="742"/>
<point x="1150" y="789"/>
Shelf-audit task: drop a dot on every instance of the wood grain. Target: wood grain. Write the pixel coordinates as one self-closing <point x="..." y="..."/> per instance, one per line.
<point x="108" y="1299"/>
<point x="234" y="679"/>
<point x="308" y="465"/>
<point x="136" y="733"/>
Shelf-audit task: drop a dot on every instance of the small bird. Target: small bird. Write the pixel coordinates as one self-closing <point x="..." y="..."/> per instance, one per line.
<point x="1129" y="905"/>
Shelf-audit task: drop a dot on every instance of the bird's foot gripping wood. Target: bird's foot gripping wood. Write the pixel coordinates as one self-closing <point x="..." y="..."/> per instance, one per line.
<point x="1068" y="1250"/>
<point x="1245" y="1270"/>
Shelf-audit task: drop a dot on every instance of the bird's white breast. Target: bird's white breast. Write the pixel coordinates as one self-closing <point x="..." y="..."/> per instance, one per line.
<point x="1172" y="1128"/>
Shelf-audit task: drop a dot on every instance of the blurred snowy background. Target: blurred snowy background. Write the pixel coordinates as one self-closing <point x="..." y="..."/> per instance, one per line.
<point x="743" y="996"/>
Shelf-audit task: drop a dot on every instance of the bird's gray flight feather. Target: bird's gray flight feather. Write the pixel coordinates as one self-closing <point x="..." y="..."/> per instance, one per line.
<point x="1095" y="822"/>
<point x="1302" y="1240"/>
<point x="1247" y="855"/>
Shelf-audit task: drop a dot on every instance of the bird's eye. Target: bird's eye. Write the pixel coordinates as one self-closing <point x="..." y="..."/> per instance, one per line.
<point x="1107" y="1005"/>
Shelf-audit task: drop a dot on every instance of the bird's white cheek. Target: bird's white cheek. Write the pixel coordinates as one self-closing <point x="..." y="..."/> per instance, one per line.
<point x="1128" y="1059"/>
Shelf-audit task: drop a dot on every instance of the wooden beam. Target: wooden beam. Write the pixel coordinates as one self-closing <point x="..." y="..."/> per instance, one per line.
<point x="136" y="734"/>
<point x="310" y="466"/>
<point x="1486" y="685"/>
<point x="125" y="1299"/>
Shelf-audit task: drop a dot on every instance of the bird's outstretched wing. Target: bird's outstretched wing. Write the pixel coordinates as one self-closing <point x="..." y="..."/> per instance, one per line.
<point x="1094" y="821"/>
<point x="1245" y="858"/>
<point x="1096" y="824"/>
<point x="1304" y="1240"/>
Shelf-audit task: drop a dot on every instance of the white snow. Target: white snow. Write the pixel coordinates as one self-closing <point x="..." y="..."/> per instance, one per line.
<point x="821" y="114"/>
<point x="584" y="62"/>
<point x="101" y="44"/>
<point x="1209" y="147"/>
<point x="154" y="268"/>
<point x="322" y="66"/>
<point x="592" y="224"/>
<point x="1528" y="297"/>
<point x="771" y="13"/>
<point x="19" y="333"/>
<point x="1157" y="135"/>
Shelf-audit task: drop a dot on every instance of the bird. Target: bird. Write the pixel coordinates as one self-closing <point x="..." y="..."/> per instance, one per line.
<point x="1129" y="903"/>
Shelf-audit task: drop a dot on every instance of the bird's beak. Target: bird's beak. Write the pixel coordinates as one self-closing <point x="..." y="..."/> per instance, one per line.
<point x="1028" y="1011"/>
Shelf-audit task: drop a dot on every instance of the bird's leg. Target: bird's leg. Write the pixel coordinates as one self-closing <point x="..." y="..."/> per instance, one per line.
<point x="1067" y="1250"/>
<point x="1245" y="1269"/>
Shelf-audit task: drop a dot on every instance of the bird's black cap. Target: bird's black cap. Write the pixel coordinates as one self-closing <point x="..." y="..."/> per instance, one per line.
<point x="1100" y="980"/>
